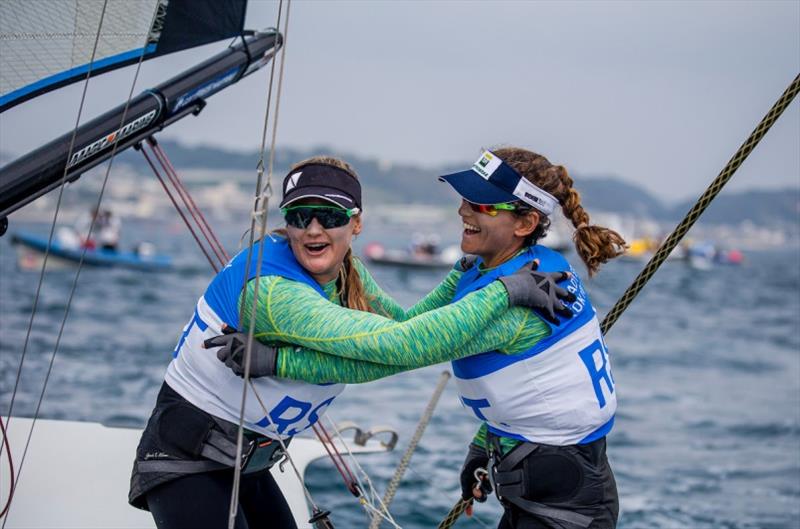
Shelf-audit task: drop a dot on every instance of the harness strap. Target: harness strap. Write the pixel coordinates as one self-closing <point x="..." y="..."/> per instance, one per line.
<point x="516" y="456"/>
<point x="562" y="515"/>
<point x="178" y="466"/>
<point x="511" y="485"/>
<point x="217" y="447"/>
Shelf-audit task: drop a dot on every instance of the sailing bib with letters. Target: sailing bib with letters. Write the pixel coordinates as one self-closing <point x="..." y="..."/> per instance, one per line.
<point x="558" y="392"/>
<point x="199" y="377"/>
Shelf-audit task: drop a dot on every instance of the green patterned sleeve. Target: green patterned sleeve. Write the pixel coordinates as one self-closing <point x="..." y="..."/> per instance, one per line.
<point x="384" y="304"/>
<point x="300" y="363"/>
<point x="438" y="297"/>
<point x="480" y="436"/>
<point x="319" y="368"/>
<point x="292" y="312"/>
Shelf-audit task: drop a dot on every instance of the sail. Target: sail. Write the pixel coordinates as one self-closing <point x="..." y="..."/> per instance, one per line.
<point x="45" y="168"/>
<point x="48" y="44"/>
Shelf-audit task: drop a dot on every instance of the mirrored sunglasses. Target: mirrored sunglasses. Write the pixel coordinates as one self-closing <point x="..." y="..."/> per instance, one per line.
<point x="490" y="209"/>
<point x="328" y="216"/>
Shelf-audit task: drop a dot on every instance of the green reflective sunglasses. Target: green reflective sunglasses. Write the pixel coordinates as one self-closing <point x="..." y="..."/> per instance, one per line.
<point x="328" y="216"/>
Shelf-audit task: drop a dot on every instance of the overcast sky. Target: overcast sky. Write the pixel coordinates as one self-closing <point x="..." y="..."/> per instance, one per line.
<point x="658" y="93"/>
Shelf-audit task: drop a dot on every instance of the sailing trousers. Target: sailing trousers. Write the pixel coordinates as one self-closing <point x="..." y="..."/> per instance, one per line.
<point x="202" y="501"/>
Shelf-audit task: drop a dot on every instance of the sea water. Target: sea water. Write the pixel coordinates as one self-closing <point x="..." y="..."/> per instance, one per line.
<point x="706" y="366"/>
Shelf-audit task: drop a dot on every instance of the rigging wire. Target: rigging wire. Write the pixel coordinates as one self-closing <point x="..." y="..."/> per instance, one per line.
<point x="475" y="518"/>
<point x="367" y="503"/>
<point x="10" y="471"/>
<point x="91" y="228"/>
<point x="218" y="249"/>
<point x="391" y="489"/>
<point x="336" y="457"/>
<point x="261" y="194"/>
<point x="285" y="449"/>
<point x="197" y="215"/>
<point x="677" y="234"/>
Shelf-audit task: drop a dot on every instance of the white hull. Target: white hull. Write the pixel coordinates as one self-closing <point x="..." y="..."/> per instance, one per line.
<point x="76" y="474"/>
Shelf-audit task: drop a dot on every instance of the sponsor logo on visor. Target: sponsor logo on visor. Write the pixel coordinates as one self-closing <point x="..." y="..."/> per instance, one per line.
<point x="486" y="165"/>
<point x="291" y="183"/>
<point x="489" y="164"/>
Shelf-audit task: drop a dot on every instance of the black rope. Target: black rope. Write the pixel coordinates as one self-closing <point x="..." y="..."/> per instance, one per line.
<point x="702" y="203"/>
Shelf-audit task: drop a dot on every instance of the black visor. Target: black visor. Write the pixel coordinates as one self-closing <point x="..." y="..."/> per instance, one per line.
<point x="322" y="181"/>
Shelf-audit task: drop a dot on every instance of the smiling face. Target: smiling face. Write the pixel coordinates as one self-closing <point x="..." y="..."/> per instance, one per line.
<point x="321" y="251"/>
<point x="495" y="239"/>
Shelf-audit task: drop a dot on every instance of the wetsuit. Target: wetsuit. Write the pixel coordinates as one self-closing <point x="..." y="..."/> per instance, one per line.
<point x="536" y="387"/>
<point x="189" y="432"/>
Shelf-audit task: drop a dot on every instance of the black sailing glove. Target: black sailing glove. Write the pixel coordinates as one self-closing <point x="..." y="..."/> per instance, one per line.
<point x="536" y="290"/>
<point x="476" y="458"/>
<point x="232" y="346"/>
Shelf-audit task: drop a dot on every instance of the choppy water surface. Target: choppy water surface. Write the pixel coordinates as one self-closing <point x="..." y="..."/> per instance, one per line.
<point x="707" y="366"/>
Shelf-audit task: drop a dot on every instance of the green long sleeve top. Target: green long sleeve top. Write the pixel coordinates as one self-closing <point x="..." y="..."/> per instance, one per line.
<point x="342" y="345"/>
<point x="294" y="313"/>
<point x="336" y="344"/>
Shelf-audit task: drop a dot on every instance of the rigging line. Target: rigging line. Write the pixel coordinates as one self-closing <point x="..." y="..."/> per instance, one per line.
<point x="460" y="506"/>
<point x="211" y="261"/>
<point x="284" y="448"/>
<point x="83" y="253"/>
<point x="384" y="511"/>
<point x="702" y="203"/>
<point x="475" y="518"/>
<point x="260" y="165"/>
<point x="391" y="489"/>
<point x="10" y="470"/>
<point x="208" y="234"/>
<point x="268" y="193"/>
<point x="237" y="473"/>
<point x="336" y="457"/>
<point x="188" y="201"/>
<point x="379" y="513"/>
<point x="680" y="231"/>
<point x="55" y="216"/>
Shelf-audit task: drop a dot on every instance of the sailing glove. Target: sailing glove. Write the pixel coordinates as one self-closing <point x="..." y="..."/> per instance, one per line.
<point x="536" y="290"/>
<point x="476" y="458"/>
<point x="232" y="347"/>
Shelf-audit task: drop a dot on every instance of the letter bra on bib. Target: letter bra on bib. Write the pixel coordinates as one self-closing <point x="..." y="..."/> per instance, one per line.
<point x="199" y="377"/>
<point x="560" y="391"/>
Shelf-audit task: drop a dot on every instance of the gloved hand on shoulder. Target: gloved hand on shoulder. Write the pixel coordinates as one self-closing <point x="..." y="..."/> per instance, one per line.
<point x="232" y="347"/>
<point x="527" y="287"/>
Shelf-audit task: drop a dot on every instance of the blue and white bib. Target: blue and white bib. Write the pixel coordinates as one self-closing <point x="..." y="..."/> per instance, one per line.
<point x="197" y="375"/>
<point x="558" y="392"/>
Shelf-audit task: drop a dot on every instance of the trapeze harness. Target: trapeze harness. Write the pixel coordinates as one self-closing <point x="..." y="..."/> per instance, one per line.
<point x="559" y="392"/>
<point x="194" y="425"/>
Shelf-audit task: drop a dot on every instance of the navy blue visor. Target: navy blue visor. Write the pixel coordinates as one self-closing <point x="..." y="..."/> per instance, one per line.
<point x="492" y="181"/>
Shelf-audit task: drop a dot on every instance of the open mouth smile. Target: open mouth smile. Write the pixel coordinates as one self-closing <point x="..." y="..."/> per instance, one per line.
<point x="470" y="229"/>
<point x="316" y="248"/>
